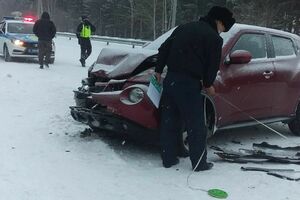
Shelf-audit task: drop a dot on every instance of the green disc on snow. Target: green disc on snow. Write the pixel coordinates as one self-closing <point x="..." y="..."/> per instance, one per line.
<point x="217" y="193"/>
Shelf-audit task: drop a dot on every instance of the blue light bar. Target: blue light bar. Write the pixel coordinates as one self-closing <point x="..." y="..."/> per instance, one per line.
<point x="12" y="18"/>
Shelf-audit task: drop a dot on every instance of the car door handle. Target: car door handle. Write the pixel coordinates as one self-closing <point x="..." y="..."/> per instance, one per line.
<point x="268" y="74"/>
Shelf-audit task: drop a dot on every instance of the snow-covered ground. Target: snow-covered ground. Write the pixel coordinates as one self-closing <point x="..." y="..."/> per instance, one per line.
<point x="43" y="157"/>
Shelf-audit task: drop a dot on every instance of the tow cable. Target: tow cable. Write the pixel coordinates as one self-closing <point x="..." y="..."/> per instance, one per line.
<point x="218" y="193"/>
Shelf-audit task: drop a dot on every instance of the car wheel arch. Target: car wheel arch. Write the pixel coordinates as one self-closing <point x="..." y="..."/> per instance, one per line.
<point x="294" y="124"/>
<point x="6" y="54"/>
<point x="210" y="121"/>
<point x="209" y="115"/>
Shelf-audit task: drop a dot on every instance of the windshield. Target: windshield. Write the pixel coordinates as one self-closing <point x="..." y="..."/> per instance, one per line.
<point x="22" y="28"/>
<point x="225" y="36"/>
<point x="156" y="43"/>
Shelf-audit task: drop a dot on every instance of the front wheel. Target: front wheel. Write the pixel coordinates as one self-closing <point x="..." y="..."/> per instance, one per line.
<point x="7" y="57"/>
<point x="209" y="114"/>
<point x="294" y="125"/>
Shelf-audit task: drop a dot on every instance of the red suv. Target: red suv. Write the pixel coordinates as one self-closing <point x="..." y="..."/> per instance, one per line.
<point x="259" y="78"/>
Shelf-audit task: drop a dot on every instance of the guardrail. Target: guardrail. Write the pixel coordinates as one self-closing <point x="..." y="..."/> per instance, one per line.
<point x="108" y="40"/>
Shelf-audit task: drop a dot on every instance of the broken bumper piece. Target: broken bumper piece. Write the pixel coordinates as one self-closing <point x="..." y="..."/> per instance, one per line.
<point x="104" y="120"/>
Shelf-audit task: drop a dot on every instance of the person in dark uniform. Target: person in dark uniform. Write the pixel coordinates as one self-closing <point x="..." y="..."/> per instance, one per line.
<point x="45" y="30"/>
<point x="192" y="54"/>
<point x="83" y="33"/>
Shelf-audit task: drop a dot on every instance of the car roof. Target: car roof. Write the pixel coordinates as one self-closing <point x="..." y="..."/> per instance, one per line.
<point x="17" y="21"/>
<point x="242" y="27"/>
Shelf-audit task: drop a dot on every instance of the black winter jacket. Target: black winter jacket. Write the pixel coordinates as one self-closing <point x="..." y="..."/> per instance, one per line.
<point x="194" y="49"/>
<point x="44" y="28"/>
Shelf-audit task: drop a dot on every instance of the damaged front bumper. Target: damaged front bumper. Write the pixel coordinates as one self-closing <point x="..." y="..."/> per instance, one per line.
<point x="104" y="120"/>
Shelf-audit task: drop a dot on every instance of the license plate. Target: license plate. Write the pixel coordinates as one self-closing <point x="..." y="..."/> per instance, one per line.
<point x="32" y="51"/>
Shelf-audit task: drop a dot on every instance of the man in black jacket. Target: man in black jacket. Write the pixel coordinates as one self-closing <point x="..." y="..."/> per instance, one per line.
<point x="192" y="54"/>
<point x="45" y="30"/>
<point x="83" y="33"/>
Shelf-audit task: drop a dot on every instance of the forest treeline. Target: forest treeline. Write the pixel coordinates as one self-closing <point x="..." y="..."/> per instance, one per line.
<point x="147" y="19"/>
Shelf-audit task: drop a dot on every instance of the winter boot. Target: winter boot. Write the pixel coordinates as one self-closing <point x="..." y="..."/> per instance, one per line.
<point x="82" y="61"/>
<point x="170" y="164"/>
<point x="203" y="167"/>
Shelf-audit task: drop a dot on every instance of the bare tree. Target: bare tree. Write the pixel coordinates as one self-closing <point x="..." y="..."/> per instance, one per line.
<point x="131" y="17"/>
<point x="164" y="17"/>
<point x="173" y="14"/>
<point x="39" y="7"/>
<point x="154" y="19"/>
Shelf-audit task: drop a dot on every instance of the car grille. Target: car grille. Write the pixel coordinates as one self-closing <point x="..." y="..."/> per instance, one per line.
<point x="31" y="45"/>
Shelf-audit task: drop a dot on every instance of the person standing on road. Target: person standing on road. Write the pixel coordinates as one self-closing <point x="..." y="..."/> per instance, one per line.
<point x="45" y="30"/>
<point x="192" y="54"/>
<point x="83" y="33"/>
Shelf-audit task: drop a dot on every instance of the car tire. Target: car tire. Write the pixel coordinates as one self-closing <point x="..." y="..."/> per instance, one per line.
<point x="52" y="60"/>
<point x="183" y="145"/>
<point x="294" y="124"/>
<point x="7" y="57"/>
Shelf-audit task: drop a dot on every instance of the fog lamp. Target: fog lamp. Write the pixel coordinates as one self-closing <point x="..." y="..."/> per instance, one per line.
<point x="136" y="95"/>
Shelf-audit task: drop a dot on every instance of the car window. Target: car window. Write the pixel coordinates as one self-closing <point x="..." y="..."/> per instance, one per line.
<point x="254" y="43"/>
<point x="20" y="28"/>
<point x="283" y="46"/>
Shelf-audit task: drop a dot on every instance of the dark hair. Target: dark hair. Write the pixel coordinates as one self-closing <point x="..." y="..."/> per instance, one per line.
<point x="45" y="15"/>
<point x="84" y="17"/>
<point x="223" y="14"/>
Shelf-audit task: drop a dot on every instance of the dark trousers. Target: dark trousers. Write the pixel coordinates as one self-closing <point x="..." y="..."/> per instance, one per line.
<point x="85" y="47"/>
<point x="45" y="48"/>
<point x="182" y="103"/>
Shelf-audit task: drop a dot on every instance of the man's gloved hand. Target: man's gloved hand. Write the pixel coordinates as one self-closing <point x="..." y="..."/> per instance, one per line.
<point x="210" y="91"/>
<point x="158" y="77"/>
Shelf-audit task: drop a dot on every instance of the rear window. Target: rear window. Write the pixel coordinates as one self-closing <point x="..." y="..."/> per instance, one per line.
<point x="283" y="46"/>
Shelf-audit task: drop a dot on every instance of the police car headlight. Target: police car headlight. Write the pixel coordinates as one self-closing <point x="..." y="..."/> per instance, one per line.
<point x="18" y="42"/>
<point x="136" y="95"/>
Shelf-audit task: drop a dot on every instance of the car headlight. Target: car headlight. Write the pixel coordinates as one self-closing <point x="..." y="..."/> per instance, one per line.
<point x="136" y="95"/>
<point x="85" y="82"/>
<point x="86" y="88"/>
<point x="18" y="42"/>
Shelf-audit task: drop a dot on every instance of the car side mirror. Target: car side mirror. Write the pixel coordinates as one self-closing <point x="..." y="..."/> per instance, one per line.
<point x="239" y="57"/>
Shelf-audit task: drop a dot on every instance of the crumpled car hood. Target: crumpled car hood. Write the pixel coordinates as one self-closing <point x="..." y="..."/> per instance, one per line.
<point x="114" y="63"/>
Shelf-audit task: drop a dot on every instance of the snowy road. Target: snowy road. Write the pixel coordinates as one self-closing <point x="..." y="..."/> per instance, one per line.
<point x="43" y="157"/>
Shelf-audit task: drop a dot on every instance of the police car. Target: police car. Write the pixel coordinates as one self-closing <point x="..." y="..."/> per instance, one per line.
<point x="17" y="39"/>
